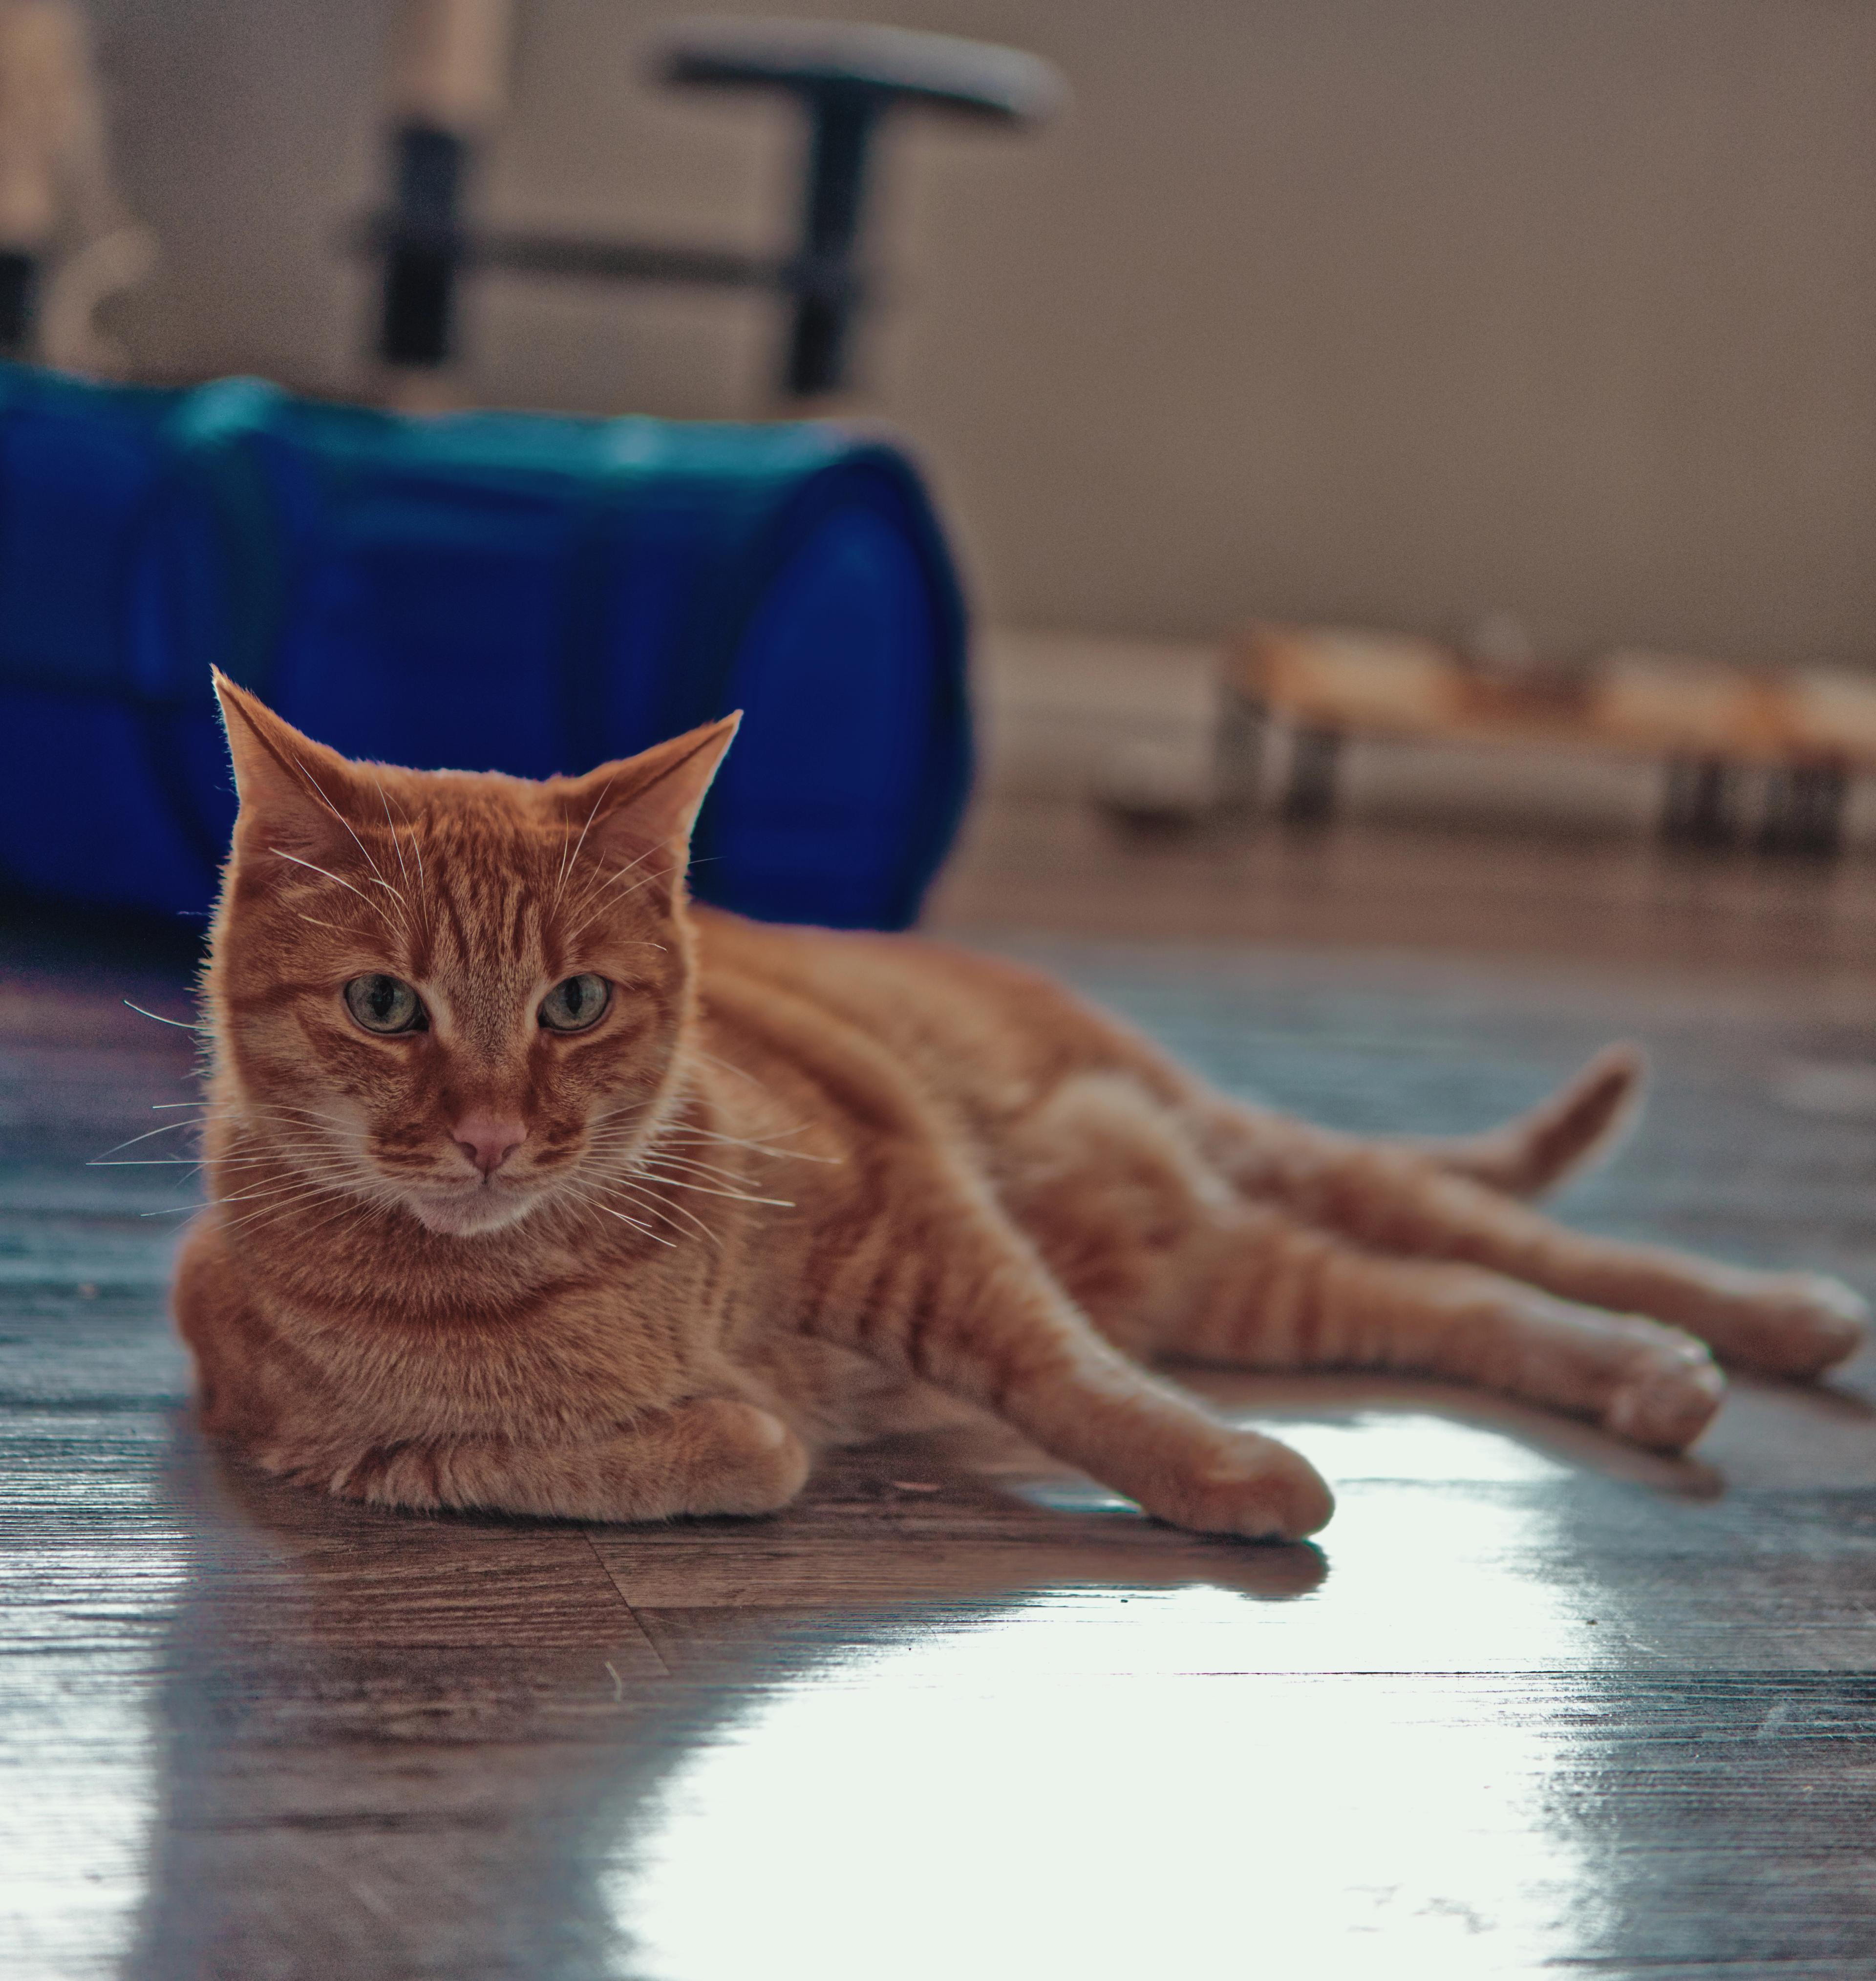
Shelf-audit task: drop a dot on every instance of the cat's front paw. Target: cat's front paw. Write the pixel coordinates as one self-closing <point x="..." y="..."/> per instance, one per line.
<point x="1249" y="1485"/>
<point x="747" y="1461"/>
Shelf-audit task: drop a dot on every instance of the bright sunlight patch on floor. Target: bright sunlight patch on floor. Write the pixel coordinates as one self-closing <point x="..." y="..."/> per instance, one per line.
<point x="1052" y="1765"/>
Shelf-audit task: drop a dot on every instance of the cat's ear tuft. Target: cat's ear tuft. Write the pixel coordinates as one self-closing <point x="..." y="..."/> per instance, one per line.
<point x="292" y="790"/>
<point x="644" y="808"/>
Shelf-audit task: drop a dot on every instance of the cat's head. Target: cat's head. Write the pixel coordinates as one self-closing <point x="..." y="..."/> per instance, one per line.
<point x="461" y="993"/>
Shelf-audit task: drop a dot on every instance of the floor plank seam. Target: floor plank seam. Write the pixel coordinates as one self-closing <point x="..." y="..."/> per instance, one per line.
<point x="625" y="1602"/>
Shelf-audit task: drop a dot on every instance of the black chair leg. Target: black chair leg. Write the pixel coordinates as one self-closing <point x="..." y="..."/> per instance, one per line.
<point x="1236" y="755"/>
<point x="18" y="280"/>
<point x="1805" y="810"/>
<point x="1701" y="808"/>
<point x="844" y="125"/>
<point x="416" y="325"/>
<point x="1314" y="756"/>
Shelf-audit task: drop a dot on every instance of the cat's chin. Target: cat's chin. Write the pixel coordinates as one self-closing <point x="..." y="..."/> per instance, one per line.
<point x="472" y="1214"/>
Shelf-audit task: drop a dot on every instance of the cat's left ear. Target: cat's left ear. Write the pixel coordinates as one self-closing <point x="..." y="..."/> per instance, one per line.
<point x="643" y="809"/>
<point x="294" y="792"/>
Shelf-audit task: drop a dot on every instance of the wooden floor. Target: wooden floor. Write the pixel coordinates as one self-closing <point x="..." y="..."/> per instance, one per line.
<point x="1537" y="1703"/>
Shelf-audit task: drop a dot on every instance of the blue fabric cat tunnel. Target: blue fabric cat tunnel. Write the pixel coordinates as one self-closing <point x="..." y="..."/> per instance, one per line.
<point x="496" y="591"/>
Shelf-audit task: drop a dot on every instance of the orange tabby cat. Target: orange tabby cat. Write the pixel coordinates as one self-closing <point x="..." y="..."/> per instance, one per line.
<point x="535" y="1188"/>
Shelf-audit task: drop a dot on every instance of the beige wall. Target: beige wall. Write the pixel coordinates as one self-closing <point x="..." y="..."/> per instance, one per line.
<point x="1397" y="310"/>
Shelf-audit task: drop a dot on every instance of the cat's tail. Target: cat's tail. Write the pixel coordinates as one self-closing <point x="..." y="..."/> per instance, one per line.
<point x="1575" y="1126"/>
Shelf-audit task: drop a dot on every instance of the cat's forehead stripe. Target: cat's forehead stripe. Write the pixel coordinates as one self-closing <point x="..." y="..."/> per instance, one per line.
<point x="450" y="887"/>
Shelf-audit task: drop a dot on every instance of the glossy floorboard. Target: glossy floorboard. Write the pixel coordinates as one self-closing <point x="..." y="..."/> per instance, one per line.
<point x="1026" y="863"/>
<point x="1537" y="1704"/>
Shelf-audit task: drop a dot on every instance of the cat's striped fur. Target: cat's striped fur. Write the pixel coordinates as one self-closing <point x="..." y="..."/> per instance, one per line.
<point x="795" y="1188"/>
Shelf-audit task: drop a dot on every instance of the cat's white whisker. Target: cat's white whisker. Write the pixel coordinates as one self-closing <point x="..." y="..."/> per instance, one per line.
<point x="683" y="1132"/>
<point x="600" y="889"/>
<point x="258" y="1108"/>
<point x="619" y="873"/>
<point x="317" y="1162"/>
<point x="356" y="1203"/>
<point x="693" y="1051"/>
<point x="678" y="1216"/>
<point x="180" y="1024"/>
<point x="569" y="861"/>
<point x="313" y="866"/>
<point x="606" y="1210"/>
<point x="593" y="902"/>
<point x="664" y="1159"/>
<point x="319" y="792"/>
<point x="325" y="1186"/>
<point x="397" y="844"/>
<point x="355" y="1209"/>
<point x="764" y="1149"/>
<point x="130" y="1142"/>
<point x="296" y="1175"/>
<point x="423" y="884"/>
<point x="281" y="1194"/>
<point x="634" y="1178"/>
<point x="647" y="1171"/>
<point x="259" y="1219"/>
<point x="638" y="1110"/>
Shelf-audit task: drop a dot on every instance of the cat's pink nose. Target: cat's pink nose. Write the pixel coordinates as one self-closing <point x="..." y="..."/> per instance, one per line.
<point x="488" y="1143"/>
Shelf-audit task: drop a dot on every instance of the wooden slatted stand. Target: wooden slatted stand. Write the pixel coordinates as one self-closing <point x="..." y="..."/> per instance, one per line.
<point x="1718" y="729"/>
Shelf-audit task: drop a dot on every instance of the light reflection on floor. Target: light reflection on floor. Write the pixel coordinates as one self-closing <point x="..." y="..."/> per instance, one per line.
<point x="1184" y="1782"/>
<point x="75" y="1842"/>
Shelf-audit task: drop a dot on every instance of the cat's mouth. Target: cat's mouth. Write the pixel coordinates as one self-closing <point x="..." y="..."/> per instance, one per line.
<point x="464" y="1211"/>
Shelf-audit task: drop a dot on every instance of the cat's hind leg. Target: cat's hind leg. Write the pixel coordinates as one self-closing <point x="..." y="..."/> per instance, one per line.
<point x="1169" y="1261"/>
<point x="1398" y="1199"/>
<point x="1285" y="1296"/>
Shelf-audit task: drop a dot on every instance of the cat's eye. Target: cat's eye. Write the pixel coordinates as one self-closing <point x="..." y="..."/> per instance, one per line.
<point x="574" y="1005"/>
<point x="386" y="1004"/>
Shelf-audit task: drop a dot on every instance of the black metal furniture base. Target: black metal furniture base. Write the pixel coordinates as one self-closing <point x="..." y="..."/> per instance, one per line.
<point x="1314" y="755"/>
<point x="1705" y="803"/>
<point x="19" y="283"/>
<point x="1702" y="805"/>
<point x="1802" y="811"/>
<point x="848" y="79"/>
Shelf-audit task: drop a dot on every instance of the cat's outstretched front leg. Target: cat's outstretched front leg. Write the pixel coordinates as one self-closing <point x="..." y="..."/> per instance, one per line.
<point x="710" y="1455"/>
<point x="918" y="1266"/>
<point x="956" y="1295"/>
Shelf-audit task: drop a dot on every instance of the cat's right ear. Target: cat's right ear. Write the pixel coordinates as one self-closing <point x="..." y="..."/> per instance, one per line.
<point x="295" y="794"/>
